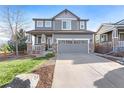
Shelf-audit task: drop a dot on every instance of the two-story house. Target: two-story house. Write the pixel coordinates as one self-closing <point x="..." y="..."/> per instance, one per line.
<point x="63" y="33"/>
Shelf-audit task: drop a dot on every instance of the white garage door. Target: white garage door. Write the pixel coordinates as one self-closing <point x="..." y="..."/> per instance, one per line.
<point x="72" y="46"/>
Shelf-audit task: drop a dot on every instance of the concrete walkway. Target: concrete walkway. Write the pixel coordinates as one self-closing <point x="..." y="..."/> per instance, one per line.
<point x="87" y="71"/>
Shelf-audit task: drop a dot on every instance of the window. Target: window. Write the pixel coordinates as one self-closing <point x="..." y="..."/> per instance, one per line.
<point x="121" y="36"/>
<point x="82" y="25"/>
<point x="39" y="23"/>
<point x="66" y="24"/>
<point x="39" y="40"/>
<point x="47" y="23"/>
<point x="104" y="37"/>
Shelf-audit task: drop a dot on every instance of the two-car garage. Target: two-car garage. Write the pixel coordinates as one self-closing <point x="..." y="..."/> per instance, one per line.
<point x="81" y="42"/>
<point x="72" y="45"/>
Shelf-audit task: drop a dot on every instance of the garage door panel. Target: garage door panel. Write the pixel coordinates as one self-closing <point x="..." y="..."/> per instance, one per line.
<point x="73" y="46"/>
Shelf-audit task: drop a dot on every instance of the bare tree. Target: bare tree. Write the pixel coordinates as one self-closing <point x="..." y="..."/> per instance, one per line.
<point x="13" y="20"/>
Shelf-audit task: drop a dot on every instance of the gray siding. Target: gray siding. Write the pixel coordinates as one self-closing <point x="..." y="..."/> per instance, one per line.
<point x="90" y="36"/>
<point x="75" y="25"/>
<point x="66" y="15"/>
<point x="57" y="25"/>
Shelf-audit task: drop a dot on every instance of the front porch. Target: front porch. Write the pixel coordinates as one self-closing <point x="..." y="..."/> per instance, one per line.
<point x="39" y="44"/>
<point x="111" y="41"/>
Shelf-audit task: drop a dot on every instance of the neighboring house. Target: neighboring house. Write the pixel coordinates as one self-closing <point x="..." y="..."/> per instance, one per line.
<point x="64" y="33"/>
<point x="110" y="37"/>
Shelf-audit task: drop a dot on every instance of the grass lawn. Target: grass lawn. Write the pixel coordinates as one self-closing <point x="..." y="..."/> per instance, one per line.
<point x="9" y="69"/>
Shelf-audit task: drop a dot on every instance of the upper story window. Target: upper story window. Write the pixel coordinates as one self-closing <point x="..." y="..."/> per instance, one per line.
<point x="82" y="25"/>
<point x="39" y="23"/>
<point x="47" y="23"/>
<point x="66" y="24"/>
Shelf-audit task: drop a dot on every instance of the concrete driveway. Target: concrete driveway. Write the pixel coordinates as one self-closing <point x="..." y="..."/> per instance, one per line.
<point x="87" y="71"/>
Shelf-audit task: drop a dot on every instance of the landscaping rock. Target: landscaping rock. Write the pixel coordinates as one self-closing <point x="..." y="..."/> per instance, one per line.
<point x="24" y="81"/>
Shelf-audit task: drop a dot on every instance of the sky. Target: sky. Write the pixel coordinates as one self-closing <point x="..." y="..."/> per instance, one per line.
<point x="97" y="14"/>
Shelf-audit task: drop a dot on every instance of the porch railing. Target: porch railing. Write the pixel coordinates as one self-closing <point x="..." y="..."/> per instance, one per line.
<point x="36" y="47"/>
<point x="120" y="43"/>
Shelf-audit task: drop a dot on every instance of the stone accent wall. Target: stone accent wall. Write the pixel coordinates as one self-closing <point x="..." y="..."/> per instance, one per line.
<point x="29" y="48"/>
<point x="43" y="46"/>
<point x="39" y="50"/>
<point x="54" y="47"/>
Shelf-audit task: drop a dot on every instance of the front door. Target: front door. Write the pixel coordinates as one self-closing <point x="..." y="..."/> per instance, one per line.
<point x="49" y="43"/>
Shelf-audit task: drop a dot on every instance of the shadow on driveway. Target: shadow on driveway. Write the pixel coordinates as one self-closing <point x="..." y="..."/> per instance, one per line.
<point x="76" y="58"/>
<point x="115" y="77"/>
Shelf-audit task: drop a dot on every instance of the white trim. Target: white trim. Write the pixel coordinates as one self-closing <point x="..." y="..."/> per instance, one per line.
<point x="65" y="18"/>
<point x="52" y="38"/>
<point x="66" y="22"/>
<point x="74" y="39"/>
<point x="82" y="23"/>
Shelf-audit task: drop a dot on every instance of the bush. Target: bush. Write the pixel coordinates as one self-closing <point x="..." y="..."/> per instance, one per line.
<point x="49" y="55"/>
<point x="5" y="48"/>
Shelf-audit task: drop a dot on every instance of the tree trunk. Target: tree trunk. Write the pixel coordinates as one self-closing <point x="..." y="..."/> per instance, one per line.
<point x="17" y="49"/>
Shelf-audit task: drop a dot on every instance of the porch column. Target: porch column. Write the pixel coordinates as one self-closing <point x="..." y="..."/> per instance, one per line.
<point x="29" y="44"/>
<point x="115" y="39"/>
<point x="54" y="44"/>
<point x="43" y="42"/>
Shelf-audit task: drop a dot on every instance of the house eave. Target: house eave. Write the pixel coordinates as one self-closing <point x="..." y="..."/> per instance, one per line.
<point x="60" y="31"/>
<point x="38" y="19"/>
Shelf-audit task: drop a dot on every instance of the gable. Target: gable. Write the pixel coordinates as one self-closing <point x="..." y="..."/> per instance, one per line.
<point x="120" y="22"/>
<point x="66" y="14"/>
<point x="104" y="28"/>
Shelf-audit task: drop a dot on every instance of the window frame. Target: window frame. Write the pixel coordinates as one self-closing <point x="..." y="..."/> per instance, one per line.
<point x="82" y="23"/>
<point x="37" y="40"/>
<point x="104" y="38"/>
<point x="46" y="23"/>
<point x="39" y="23"/>
<point x="120" y="36"/>
<point x="67" y="21"/>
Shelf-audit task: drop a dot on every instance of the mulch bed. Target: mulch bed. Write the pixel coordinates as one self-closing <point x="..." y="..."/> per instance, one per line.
<point x="45" y="71"/>
<point x="46" y="76"/>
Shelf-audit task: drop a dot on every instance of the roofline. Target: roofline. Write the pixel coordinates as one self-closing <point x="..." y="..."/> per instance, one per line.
<point x="118" y="22"/>
<point x="68" y="11"/>
<point x="102" y="26"/>
<point x="84" y="19"/>
<point x="42" y="19"/>
<point x="52" y="19"/>
<point x="58" y="14"/>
